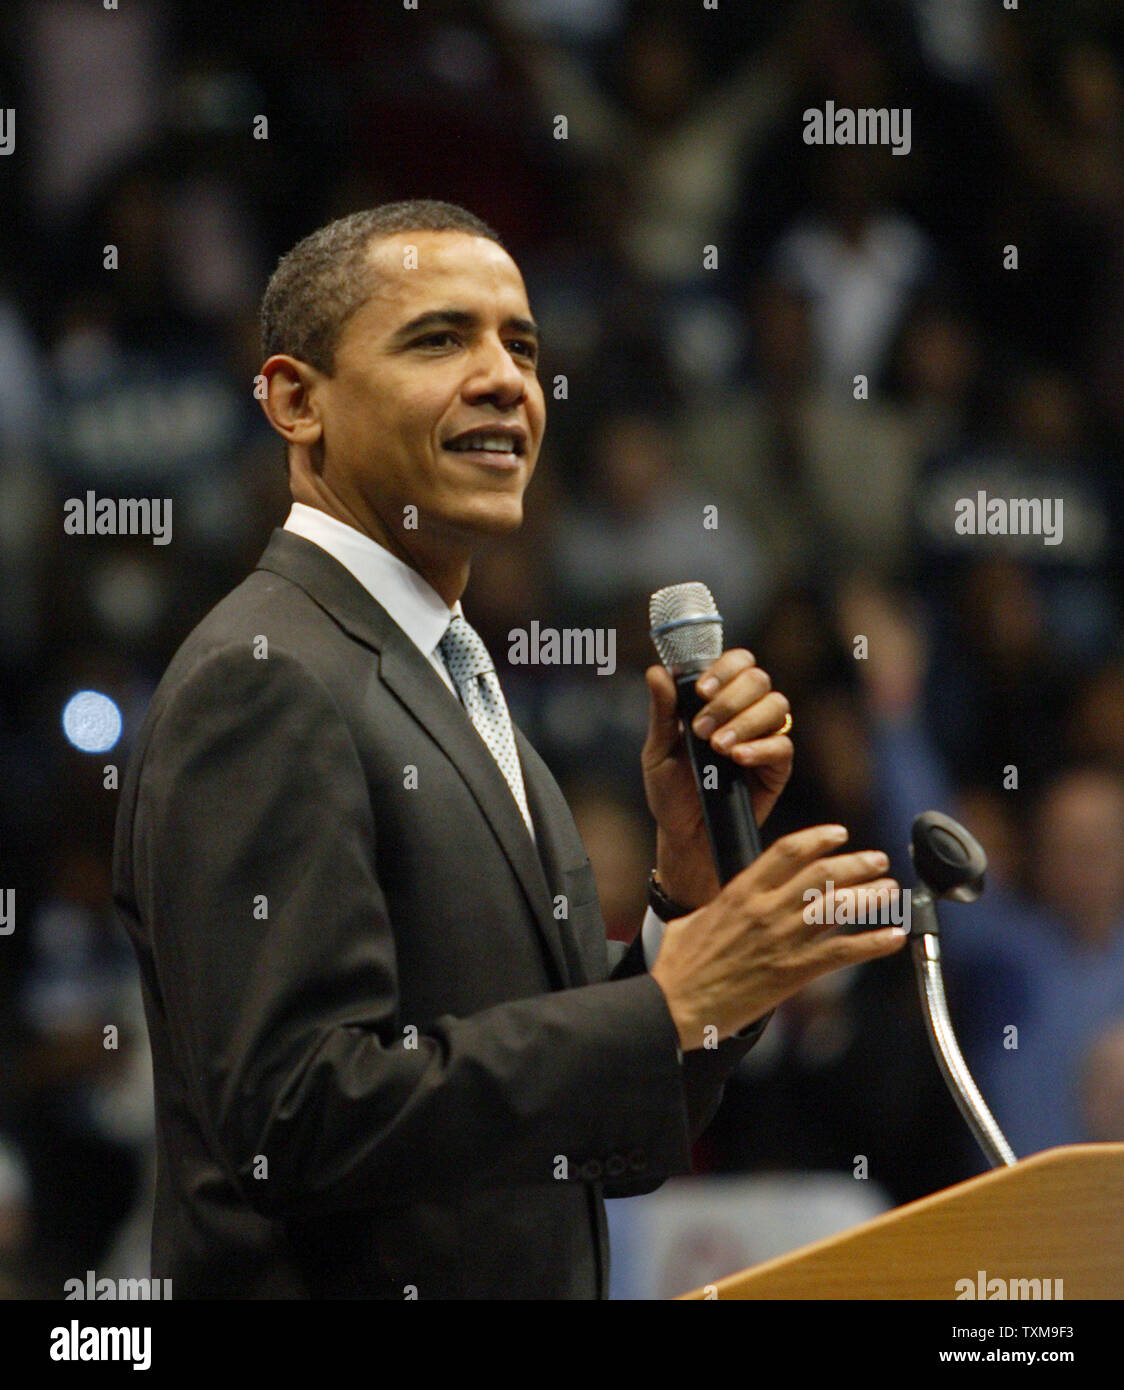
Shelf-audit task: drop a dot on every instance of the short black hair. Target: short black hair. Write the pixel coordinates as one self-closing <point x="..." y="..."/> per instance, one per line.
<point x="326" y="277"/>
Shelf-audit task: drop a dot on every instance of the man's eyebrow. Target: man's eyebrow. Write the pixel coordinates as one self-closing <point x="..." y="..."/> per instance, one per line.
<point x="457" y="318"/>
<point x="527" y="326"/>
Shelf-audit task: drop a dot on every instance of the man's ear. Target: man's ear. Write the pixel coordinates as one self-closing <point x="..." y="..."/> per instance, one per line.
<point x="290" y="401"/>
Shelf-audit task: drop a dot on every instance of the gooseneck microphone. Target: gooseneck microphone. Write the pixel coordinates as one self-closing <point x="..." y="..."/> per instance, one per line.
<point x="687" y="633"/>
<point x="949" y="863"/>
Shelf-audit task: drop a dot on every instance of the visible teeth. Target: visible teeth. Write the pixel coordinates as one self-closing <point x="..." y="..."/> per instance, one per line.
<point x="494" y="443"/>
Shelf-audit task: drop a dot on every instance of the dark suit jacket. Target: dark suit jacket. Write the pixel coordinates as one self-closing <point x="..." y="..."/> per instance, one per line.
<point x="389" y="1053"/>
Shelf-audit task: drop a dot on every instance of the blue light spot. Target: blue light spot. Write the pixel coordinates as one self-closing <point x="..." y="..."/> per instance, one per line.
<point x="91" y="721"/>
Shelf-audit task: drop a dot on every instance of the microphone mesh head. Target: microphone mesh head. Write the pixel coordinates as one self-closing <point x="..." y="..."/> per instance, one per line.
<point x="686" y="627"/>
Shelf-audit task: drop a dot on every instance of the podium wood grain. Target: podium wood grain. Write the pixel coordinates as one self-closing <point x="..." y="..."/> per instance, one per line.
<point x="1055" y="1215"/>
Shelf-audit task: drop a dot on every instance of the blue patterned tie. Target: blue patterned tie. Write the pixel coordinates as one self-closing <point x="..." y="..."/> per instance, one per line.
<point x="470" y="666"/>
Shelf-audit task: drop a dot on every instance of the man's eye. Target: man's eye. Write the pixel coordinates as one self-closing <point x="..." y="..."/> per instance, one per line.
<point x="436" y="339"/>
<point x="521" y="347"/>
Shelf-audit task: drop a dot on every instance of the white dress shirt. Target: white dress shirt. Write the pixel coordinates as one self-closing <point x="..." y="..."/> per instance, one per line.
<point x="417" y="608"/>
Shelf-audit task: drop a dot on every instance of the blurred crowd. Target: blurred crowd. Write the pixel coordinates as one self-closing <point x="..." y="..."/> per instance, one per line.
<point x="821" y="349"/>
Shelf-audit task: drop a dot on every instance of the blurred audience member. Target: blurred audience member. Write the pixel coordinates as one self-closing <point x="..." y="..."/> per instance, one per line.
<point x="1102" y="1087"/>
<point x="859" y="262"/>
<point x="645" y="523"/>
<point x="86" y="1115"/>
<point x="1036" y="969"/>
<point x="16" y="1280"/>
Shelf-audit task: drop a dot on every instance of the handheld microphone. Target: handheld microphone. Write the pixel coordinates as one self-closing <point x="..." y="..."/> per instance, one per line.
<point x="687" y="634"/>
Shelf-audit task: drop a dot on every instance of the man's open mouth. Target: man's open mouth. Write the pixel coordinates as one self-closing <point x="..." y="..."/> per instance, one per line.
<point x="489" y="441"/>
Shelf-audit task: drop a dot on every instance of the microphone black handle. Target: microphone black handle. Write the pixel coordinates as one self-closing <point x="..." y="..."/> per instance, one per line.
<point x="727" y="808"/>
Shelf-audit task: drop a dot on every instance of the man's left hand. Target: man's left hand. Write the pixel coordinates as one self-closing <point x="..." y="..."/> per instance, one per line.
<point x="739" y="720"/>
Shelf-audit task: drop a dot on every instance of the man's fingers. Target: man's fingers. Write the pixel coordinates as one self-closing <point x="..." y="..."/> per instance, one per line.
<point x="662" y="689"/>
<point x="838" y="952"/>
<point x="744" y="688"/>
<point x="841" y="870"/>
<point x="786" y="857"/>
<point x="748" y="708"/>
<point x="728" y="665"/>
<point x="867" y="905"/>
<point x="774" y="752"/>
<point x="663" y="716"/>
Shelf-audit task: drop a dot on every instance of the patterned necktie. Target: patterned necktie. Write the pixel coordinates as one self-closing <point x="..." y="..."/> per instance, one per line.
<point x="473" y="674"/>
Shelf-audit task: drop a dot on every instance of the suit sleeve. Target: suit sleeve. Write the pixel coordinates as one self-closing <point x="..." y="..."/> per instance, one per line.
<point x="704" y="1070"/>
<point x="255" y="853"/>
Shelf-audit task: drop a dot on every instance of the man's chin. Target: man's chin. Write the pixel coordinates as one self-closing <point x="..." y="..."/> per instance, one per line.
<point x="491" y="518"/>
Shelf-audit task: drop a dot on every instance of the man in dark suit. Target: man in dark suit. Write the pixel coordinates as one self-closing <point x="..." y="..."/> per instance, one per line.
<point x="392" y="1055"/>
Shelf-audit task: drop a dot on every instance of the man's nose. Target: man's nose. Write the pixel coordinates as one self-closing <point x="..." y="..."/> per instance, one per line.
<point x="495" y="375"/>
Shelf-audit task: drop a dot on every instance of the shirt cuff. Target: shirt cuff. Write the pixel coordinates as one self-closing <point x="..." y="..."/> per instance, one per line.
<point x="651" y="937"/>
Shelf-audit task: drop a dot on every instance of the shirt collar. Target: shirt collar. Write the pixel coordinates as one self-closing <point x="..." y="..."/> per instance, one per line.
<point x="417" y="608"/>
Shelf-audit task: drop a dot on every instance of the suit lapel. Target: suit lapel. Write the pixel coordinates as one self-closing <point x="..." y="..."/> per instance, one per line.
<point x="419" y="688"/>
<point x="549" y="810"/>
<point x="422" y="693"/>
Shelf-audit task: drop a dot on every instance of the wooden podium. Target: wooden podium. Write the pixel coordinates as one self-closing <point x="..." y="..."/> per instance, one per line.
<point x="1057" y="1215"/>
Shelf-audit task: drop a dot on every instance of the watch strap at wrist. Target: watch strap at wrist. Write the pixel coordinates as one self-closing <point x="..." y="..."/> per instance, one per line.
<point x="664" y="907"/>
